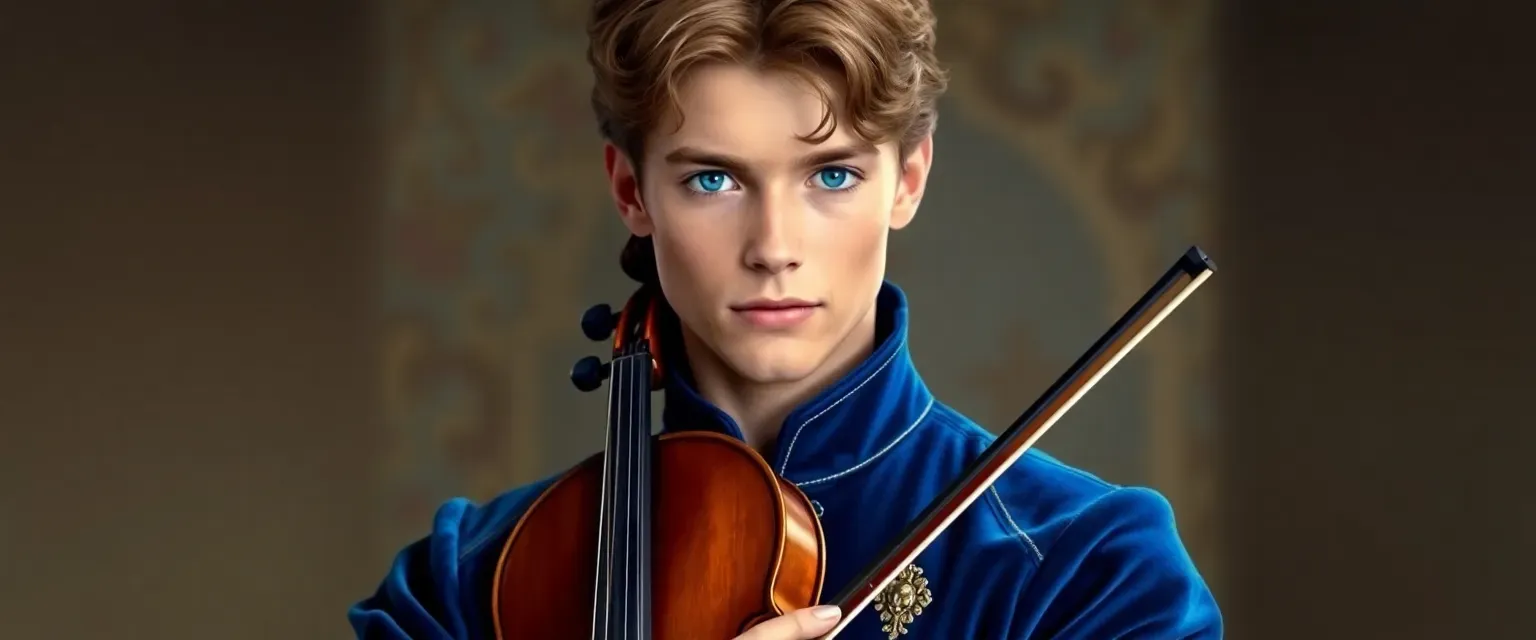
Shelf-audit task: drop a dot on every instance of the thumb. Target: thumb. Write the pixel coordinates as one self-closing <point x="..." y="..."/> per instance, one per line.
<point x="803" y="624"/>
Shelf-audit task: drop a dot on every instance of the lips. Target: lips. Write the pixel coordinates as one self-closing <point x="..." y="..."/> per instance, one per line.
<point x="776" y="314"/>
<point x="774" y="305"/>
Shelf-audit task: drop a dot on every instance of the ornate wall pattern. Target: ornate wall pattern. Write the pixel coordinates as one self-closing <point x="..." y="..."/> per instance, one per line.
<point x="1072" y="168"/>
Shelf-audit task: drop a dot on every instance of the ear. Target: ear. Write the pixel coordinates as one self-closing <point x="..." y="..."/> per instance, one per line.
<point x="624" y="184"/>
<point x="910" y="184"/>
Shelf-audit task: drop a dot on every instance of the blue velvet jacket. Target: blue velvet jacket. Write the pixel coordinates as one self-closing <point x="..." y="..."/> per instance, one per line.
<point x="1050" y="552"/>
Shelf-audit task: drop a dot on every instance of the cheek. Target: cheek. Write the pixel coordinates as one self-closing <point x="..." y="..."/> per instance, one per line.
<point x="855" y="236"/>
<point x="858" y="249"/>
<point x="691" y="248"/>
<point x="682" y="257"/>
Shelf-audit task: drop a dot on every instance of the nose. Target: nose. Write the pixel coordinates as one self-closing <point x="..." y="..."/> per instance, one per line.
<point x="774" y="236"/>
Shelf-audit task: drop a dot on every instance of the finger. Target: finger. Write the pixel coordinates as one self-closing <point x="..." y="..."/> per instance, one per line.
<point x="804" y="624"/>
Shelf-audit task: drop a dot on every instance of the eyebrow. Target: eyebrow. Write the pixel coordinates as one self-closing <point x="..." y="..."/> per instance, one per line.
<point x="696" y="156"/>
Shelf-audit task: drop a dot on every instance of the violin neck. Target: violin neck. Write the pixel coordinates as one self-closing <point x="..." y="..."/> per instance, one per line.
<point x="622" y="606"/>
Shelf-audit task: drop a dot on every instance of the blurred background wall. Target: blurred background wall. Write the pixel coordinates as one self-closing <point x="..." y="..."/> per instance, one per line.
<point x="279" y="279"/>
<point x="1056" y="200"/>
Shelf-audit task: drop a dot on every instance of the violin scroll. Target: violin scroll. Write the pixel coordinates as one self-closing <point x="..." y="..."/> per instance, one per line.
<point x="633" y="330"/>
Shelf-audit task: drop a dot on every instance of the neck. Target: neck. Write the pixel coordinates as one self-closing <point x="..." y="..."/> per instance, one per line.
<point x="759" y="407"/>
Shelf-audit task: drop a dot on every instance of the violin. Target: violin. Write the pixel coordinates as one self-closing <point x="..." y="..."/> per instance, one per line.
<point x="692" y="536"/>
<point x="687" y="535"/>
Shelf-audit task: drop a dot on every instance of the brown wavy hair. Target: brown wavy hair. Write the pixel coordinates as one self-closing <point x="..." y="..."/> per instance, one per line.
<point x="881" y="51"/>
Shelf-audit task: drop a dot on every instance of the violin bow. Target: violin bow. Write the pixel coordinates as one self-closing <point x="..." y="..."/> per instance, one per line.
<point x="1188" y="273"/>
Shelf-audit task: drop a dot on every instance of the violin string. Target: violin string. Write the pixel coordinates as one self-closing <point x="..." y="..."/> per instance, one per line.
<point x="637" y="432"/>
<point x="642" y="446"/>
<point x="605" y="537"/>
<point x="618" y="374"/>
<point x="604" y="510"/>
<point x="625" y="536"/>
<point x="650" y="499"/>
<point x="642" y="511"/>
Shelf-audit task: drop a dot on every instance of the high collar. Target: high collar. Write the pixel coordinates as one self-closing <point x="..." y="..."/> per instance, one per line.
<point x="848" y="424"/>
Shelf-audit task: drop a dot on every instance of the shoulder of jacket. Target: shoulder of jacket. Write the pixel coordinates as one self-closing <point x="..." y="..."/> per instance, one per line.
<point x="1039" y="496"/>
<point x="481" y="527"/>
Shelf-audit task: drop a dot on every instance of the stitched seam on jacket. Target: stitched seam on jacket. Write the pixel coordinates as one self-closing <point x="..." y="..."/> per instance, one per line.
<point x="1039" y="557"/>
<point x="879" y="453"/>
<point x="1086" y="508"/>
<point x="784" y="468"/>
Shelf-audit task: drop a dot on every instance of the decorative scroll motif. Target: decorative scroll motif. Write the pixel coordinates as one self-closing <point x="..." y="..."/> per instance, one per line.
<point x="494" y="209"/>
<point x="1109" y="101"/>
<point x="902" y="601"/>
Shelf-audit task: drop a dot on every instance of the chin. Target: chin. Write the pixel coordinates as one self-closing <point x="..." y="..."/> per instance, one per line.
<point x="772" y="364"/>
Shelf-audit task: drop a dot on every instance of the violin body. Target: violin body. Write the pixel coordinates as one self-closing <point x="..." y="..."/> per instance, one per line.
<point x="698" y="538"/>
<point x="733" y="545"/>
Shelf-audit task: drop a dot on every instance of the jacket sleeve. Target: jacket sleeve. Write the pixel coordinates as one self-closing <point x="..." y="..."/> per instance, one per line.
<point x="439" y="586"/>
<point x="1119" y="570"/>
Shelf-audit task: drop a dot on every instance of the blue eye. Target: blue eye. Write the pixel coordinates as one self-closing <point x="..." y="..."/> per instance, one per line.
<point x="835" y="178"/>
<point x="709" y="182"/>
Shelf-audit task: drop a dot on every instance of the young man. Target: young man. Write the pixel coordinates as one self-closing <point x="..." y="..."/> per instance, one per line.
<point x="761" y="151"/>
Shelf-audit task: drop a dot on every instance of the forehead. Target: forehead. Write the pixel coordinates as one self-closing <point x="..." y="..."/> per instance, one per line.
<point x="747" y="111"/>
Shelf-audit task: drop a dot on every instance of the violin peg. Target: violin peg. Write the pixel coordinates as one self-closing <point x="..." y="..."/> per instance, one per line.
<point x="599" y="322"/>
<point x="589" y="373"/>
